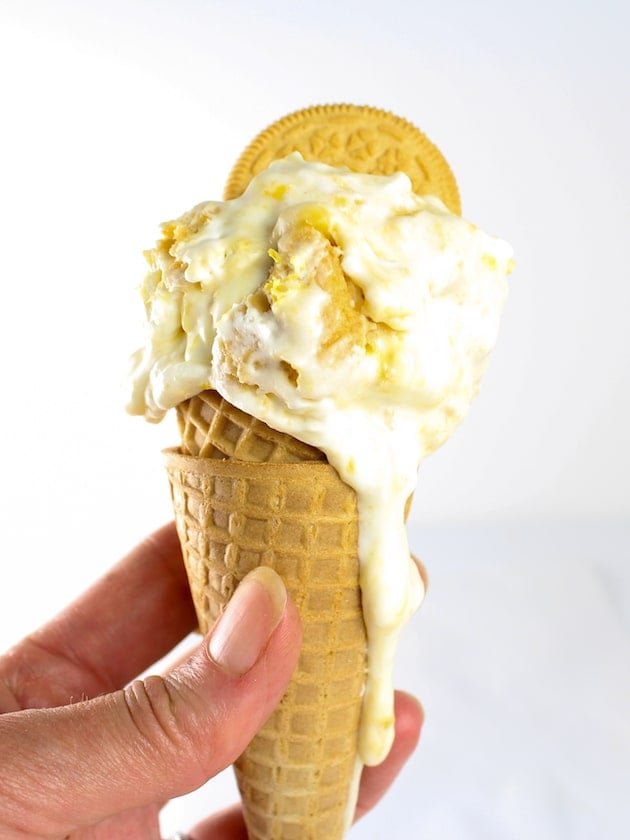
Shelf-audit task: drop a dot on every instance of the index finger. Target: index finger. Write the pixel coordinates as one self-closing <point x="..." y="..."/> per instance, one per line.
<point x="126" y="621"/>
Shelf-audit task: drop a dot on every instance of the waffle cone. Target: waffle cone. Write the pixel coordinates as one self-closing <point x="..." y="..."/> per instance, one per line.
<point x="211" y="427"/>
<point x="245" y="495"/>
<point x="298" y="776"/>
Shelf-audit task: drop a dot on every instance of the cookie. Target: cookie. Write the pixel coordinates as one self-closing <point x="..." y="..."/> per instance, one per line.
<point x="363" y="138"/>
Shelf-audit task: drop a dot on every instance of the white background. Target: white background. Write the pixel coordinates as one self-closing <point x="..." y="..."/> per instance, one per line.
<point x="116" y="116"/>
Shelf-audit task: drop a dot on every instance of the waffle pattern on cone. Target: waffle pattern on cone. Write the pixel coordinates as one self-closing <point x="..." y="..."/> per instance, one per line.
<point x="300" y="519"/>
<point x="211" y="427"/>
<point x="363" y="138"/>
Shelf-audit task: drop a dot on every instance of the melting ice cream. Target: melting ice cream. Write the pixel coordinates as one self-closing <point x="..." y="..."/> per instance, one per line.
<point x="345" y="310"/>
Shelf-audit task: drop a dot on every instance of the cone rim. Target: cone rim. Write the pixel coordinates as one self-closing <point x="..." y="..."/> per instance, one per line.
<point x="176" y="458"/>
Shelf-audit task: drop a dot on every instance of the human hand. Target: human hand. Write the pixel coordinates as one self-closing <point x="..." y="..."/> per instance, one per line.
<point x="88" y="756"/>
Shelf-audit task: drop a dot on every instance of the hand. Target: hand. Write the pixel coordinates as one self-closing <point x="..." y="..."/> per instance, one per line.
<point x="86" y="755"/>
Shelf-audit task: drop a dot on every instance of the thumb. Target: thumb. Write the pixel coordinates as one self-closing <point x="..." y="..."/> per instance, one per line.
<point x="65" y="768"/>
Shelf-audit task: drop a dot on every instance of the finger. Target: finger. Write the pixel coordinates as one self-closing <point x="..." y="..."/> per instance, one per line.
<point x="141" y="823"/>
<point x="160" y="737"/>
<point x="226" y="825"/>
<point x="375" y="781"/>
<point x="130" y="618"/>
<point x="422" y="571"/>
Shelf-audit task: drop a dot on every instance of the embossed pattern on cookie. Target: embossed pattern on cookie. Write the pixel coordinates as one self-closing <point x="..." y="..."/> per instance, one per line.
<point x="363" y="138"/>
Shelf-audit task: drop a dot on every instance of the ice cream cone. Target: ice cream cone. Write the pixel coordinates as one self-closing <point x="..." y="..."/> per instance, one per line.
<point x="298" y="776"/>
<point x="345" y="309"/>
<point x="245" y="495"/>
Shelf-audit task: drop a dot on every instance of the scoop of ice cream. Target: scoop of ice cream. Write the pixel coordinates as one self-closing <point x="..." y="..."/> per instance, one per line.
<point x="318" y="276"/>
<point x="349" y="312"/>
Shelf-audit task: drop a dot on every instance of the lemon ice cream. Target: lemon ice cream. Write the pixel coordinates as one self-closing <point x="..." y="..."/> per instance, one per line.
<point x="350" y="313"/>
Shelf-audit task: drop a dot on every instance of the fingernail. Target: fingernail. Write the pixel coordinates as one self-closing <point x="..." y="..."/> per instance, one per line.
<point x="243" y="630"/>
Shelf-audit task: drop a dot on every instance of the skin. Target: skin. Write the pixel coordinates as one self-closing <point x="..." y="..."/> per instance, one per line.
<point x="89" y="752"/>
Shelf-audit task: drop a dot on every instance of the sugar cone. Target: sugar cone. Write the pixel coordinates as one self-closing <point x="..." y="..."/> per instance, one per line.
<point x="245" y="495"/>
<point x="298" y="776"/>
<point x="211" y="427"/>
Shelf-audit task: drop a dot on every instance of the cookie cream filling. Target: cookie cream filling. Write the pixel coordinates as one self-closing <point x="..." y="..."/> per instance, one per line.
<point x="350" y="313"/>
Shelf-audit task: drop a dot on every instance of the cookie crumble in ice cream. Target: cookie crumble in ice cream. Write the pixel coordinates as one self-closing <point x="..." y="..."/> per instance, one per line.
<point x="350" y="313"/>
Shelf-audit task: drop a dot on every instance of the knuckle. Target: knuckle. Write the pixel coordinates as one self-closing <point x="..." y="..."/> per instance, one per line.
<point x="152" y="709"/>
